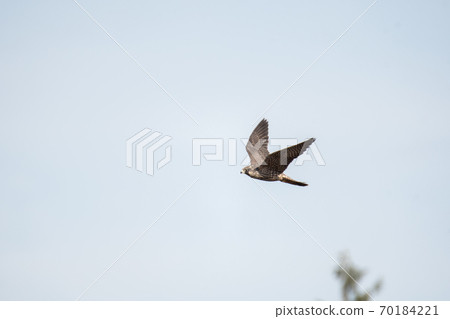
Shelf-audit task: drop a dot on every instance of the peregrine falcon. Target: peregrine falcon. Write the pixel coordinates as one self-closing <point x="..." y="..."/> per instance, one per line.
<point x="270" y="167"/>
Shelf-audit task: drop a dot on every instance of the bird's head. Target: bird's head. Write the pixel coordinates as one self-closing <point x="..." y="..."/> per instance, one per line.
<point x="245" y="170"/>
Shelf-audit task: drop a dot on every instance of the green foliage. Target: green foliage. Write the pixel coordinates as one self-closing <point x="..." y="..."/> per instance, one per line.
<point x="349" y="276"/>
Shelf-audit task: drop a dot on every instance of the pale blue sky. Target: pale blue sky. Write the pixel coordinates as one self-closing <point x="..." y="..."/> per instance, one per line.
<point x="377" y="102"/>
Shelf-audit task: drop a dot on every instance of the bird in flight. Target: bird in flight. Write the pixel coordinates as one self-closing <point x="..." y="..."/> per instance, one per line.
<point x="270" y="167"/>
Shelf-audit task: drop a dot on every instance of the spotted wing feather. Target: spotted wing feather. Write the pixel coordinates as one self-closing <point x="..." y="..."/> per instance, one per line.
<point x="277" y="162"/>
<point x="257" y="143"/>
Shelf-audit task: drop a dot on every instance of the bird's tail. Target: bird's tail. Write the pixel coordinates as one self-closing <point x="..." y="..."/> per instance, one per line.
<point x="287" y="179"/>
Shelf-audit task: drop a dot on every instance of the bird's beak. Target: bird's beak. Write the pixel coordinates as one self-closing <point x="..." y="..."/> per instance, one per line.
<point x="242" y="171"/>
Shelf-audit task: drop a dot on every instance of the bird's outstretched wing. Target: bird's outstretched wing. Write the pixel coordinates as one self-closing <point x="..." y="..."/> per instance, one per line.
<point x="278" y="161"/>
<point x="257" y="143"/>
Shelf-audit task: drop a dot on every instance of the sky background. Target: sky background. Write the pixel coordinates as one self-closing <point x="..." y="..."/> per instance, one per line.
<point x="377" y="102"/>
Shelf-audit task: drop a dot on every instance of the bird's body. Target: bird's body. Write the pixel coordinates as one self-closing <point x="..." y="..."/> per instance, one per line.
<point x="259" y="174"/>
<point x="270" y="167"/>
